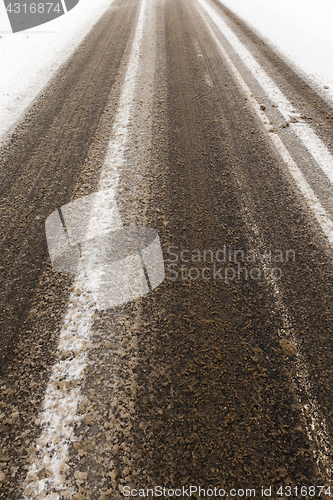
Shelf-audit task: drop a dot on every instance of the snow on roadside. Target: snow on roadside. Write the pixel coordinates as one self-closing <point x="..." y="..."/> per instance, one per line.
<point x="29" y="59"/>
<point x="301" y="31"/>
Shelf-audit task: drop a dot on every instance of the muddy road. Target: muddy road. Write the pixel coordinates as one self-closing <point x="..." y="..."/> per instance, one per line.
<point x="220" y="377"/>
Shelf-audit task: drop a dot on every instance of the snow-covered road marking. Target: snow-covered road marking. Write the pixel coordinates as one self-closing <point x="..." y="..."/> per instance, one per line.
<point x="310" y="140"/>
<point x="208" y="79"/>
<point x="314" y="420"/>
<point x="46" y="476"/>
<point x="197" y="48"/>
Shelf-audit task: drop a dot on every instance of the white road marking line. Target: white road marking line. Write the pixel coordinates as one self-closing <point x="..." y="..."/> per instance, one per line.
<point x="322" y="154"/>
<point x="315" y="422"/>
<point x="208" y="79"/>
<point x="59" y="414"/>
<point x="200" y="54"/>
<point x="197" y="48"/>
<point x="309" y="138"/>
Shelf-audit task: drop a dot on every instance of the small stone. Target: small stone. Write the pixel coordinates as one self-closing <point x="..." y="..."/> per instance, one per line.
<point x="88" y="419"/>
<point x="113" y="475"/>
<point x="289" y="349"/>
<point x="81" y="477"/>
